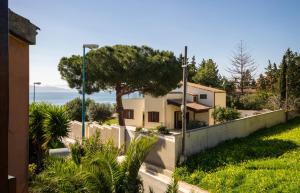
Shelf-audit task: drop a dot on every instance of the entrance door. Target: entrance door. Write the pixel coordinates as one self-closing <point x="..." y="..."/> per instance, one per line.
<point x="178" y="119"/>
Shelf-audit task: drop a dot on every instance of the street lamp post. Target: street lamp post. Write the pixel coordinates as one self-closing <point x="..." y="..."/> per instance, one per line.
<point x="90" y="46"/>
<point x="183" y="106"/>
<point x="35" y="83"/>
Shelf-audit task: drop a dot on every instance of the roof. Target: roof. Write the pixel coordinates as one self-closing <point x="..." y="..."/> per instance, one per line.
<point x="180" y="92"/>
<point x="196" y="107"/>
<point x="211" y="89"/>
<point x="22" y="28"/>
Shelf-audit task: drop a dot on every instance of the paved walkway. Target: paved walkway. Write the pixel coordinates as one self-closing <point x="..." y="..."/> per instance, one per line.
<point x="159" y="183"/>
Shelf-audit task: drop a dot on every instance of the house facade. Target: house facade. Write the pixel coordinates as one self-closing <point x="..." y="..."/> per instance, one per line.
<point x="150" y="112"/>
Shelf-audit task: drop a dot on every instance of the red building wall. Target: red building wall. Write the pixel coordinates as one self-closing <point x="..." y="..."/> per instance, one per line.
<point x="18" y="112"/>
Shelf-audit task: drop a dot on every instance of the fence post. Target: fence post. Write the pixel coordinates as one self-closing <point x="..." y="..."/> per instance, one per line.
<point x="121" y="141"/>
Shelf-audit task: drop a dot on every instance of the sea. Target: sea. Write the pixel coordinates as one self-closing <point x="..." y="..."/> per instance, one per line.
<point x="60" y="97"/>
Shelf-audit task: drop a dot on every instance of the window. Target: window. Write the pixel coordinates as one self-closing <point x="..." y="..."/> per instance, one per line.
<point x="203" y="96"/>
<point x="153" y="116"/>
<point x="128" y="114"/>
<point x="195" y="99"/>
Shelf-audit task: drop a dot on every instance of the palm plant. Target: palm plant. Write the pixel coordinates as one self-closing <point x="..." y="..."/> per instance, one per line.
<point x="36" y="131"/>
<point x="56" y="126"/>
<point x="96" y="169"/>
<point x="48" y="124"/>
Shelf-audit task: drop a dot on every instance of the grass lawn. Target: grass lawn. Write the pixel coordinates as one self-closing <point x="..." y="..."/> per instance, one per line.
<point x="266" y="161"/>
<point x="111" y="121"/>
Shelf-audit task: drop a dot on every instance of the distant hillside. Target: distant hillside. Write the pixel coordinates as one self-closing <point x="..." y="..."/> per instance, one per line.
<point x="41" y="88"/>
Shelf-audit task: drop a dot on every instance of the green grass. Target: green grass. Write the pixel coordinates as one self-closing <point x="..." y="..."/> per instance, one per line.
<point x="266" y="161"/>
<point x="111" y="121"/>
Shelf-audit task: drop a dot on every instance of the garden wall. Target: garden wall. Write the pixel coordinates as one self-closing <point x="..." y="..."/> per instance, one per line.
<point x="167" y="151"/>
<point x="199" y="139"/>
<point x="107" y="132"/>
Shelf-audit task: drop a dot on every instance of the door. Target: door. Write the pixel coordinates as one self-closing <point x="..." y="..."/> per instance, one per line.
<point x="178" y="119"/>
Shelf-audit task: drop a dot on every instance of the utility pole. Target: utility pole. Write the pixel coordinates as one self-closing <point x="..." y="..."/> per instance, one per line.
<point x="183" y="106"/>
<point x="4" y="95"/>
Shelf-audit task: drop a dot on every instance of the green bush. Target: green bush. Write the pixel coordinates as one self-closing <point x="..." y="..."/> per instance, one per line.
<point x="99" y="112"/>
<point x="253" y="101"/>
<point x="138" y="129"/>
<point x="162" y="130"/>
<point x="96" y="169"/>
<point x="195" y="124"/>
<point x="223" y="114"/>
<point x="74" y="108"/>
<point x="297" y="105"/>
<point x="48" y="124"/>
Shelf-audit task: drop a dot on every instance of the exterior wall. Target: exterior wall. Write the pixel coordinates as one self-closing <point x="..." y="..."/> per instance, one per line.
<point x="200" y="139"/>
<point x="138" y="106"/>
<point x="210" y="95"/>
<point x="18" y="112"/>
<point x="202" y="117"/>
<point x="220" y="99"/>
<point x="166" y="112"/>
<point x="165" y="153"/>
<point x="155" y="104"/>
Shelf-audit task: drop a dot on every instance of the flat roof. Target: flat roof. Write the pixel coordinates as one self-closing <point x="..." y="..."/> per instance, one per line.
<point x="22" y="28"/>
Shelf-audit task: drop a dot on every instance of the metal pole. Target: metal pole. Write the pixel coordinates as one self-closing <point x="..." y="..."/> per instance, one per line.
<point x="83" y="94"/>
<point x="183" y="106"/>
<point x="4" y="95"/>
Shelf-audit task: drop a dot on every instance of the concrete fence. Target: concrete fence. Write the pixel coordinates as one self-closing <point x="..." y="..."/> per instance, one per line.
<point x="167" y="150"/>
<point x="107" y="132"/>
<point x="203" y="138"/>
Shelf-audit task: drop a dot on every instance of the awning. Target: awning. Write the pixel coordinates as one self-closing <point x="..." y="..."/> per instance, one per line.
<point x="193" y="106"/>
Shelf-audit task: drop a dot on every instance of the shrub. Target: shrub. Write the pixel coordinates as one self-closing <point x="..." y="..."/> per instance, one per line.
<point x="31" y="171"/>
<point x="223" y="114"/>
<point x="297" y="105"/>
<point x="195" y="124"/>
<point x="74" y="108"/>
<point x="162" y="130"/>
<point x="253" y="101"/>
<point x="96" y="170"/>
<point x="99" y="112"/>
<point x="48" y="124"/>
<point x="138" y="129"/>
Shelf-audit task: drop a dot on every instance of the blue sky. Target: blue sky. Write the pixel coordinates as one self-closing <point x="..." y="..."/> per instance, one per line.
<point x="210" y="28"/>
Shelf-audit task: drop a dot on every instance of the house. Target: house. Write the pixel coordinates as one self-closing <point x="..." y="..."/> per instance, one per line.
<point x="150" y="112"/>
<point x="21" y="34"/>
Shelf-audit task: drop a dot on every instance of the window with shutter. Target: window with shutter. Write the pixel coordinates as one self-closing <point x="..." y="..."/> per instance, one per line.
<point x="128" y="114"/>
<point x="153" y="116"/>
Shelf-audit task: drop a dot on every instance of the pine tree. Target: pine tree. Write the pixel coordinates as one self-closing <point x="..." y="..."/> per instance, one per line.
<point x="192" y="69"/>
<point x="208" y="74"/>
<point x="241" y="63"/>
<point x="261" y="82"/>
<point x="283" y="72"/>
<point x="272" y="77"/>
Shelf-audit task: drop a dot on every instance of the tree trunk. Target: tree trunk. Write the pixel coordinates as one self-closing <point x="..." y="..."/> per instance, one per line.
<point x="119" y="106"/>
